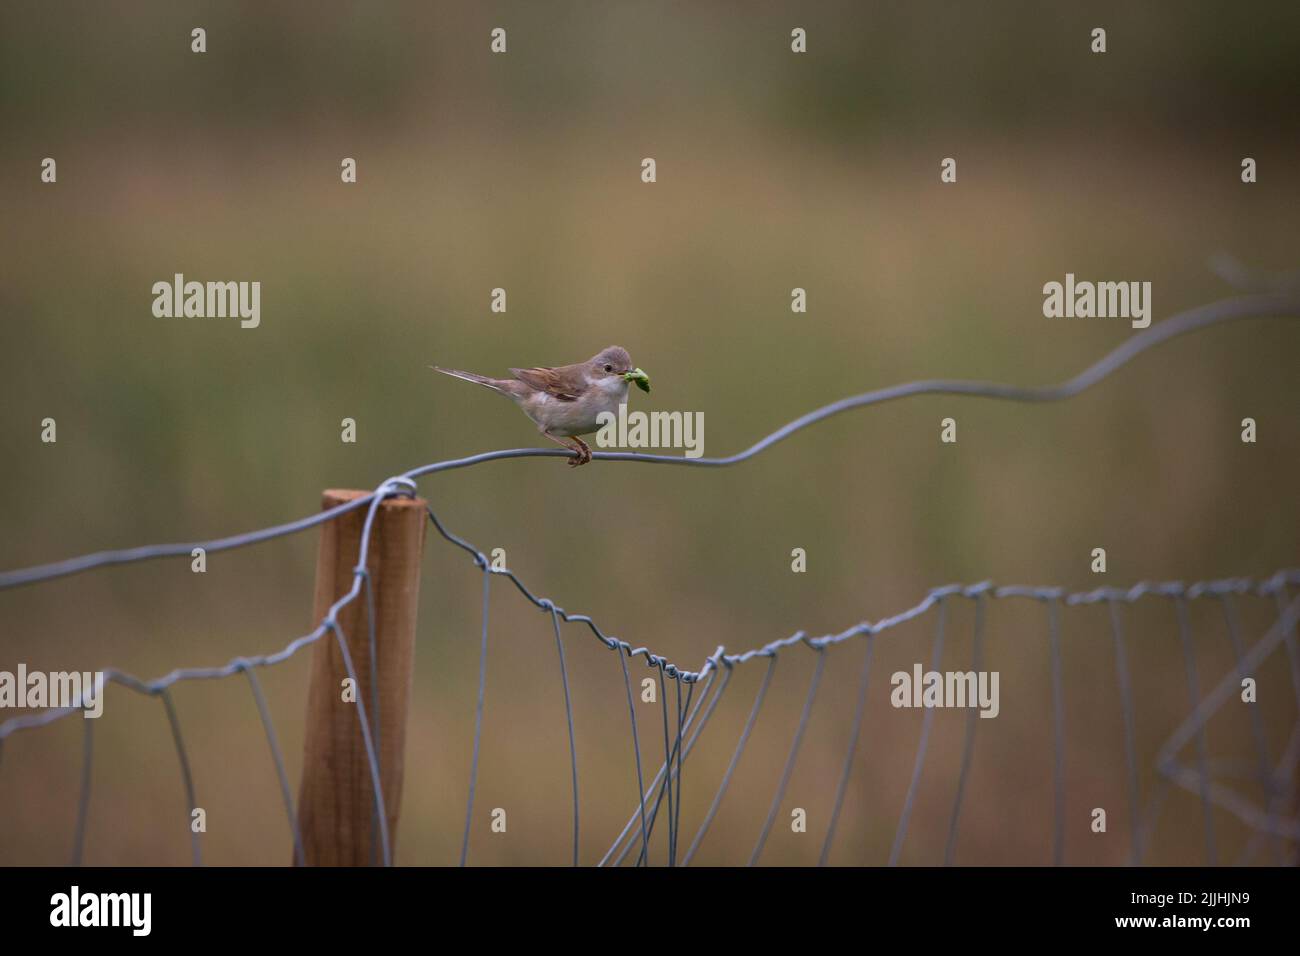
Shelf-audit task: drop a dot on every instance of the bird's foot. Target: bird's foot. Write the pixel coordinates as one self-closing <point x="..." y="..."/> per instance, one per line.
<point x="584" y="454"/>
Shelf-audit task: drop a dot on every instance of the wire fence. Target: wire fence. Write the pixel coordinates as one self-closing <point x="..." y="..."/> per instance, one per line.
<point x="696" y="694"/>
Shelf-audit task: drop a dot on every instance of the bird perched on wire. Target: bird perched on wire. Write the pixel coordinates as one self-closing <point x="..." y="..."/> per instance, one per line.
<point x="566" y="402"/>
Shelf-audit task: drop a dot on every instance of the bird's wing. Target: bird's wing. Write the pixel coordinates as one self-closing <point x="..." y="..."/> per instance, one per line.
<point x="561" y="383"/>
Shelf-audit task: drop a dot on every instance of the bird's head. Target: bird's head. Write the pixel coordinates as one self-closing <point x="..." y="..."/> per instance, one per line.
<point x="613" y="362"/>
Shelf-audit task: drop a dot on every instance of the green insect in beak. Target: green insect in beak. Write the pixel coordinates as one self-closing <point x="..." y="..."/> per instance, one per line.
<point x="641" y="378"/>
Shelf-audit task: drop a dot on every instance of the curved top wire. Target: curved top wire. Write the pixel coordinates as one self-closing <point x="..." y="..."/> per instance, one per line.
<point x="1275" y="305"/>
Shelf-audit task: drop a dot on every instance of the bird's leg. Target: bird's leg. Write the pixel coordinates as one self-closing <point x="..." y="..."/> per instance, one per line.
<point x="574" y="444"/>
<point x="584" y="450"/>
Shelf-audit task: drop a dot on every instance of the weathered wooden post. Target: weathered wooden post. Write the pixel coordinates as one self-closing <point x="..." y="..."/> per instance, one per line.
<point x="336" y="799"/>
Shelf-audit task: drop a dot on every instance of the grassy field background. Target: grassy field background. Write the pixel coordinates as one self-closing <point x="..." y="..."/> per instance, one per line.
<point x="522" y="171"/>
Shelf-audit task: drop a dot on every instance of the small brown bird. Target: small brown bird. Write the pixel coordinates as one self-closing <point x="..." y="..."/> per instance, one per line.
<point x="566" y="402"/>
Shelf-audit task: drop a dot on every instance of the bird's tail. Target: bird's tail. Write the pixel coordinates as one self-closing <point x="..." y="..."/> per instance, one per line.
<point x="483" y="380"/>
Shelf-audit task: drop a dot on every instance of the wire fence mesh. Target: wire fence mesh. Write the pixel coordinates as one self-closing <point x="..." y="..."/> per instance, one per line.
<point x="690" y="698"/>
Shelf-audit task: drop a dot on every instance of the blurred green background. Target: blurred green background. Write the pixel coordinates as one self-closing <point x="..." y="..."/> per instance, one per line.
<point x="775" y="171"/>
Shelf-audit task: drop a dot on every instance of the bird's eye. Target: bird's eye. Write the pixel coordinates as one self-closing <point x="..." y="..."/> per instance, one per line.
<point x="609" y="368"/>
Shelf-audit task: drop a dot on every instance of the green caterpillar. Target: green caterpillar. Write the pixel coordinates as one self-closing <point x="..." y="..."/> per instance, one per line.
<point x="641" y="378"/>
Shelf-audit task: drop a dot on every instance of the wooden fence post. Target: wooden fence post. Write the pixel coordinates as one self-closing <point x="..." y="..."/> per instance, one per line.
<point x="335" y="801"/>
